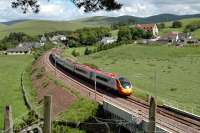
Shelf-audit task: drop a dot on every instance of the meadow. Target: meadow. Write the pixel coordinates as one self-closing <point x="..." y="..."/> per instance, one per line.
<point x="36" y="27"/>
<point x="185" y="22"/>
<point x="11" y="68"/>
<point x="169" y="73"/>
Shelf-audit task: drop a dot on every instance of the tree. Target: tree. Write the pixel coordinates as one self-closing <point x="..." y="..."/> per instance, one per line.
<point x="177" y="24"/>
<point x="88" y="5"/>
<point x="87" y="51"/>
<point x="161" y="26"/>
<point x="124" y="34"/>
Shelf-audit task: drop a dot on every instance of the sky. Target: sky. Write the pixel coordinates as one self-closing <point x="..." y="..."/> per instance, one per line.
<point x="61" y="10"/>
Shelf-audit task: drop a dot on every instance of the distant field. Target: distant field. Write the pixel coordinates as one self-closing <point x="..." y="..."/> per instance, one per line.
<point x="177" y="70"/>
<point x="11" y="68"/>
<point x="185" y="22"/>
<point x="36" y="27"/>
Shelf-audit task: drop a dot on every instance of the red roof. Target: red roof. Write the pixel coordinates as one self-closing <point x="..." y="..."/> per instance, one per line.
<point x="146" y="27"/>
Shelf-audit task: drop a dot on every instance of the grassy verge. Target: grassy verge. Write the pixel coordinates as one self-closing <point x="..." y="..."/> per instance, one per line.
<point x="29" y="86"/>
<point x="11" y="68"/>
<point x="66" y="129"/>
<point x="169" y="73"/>
<point x="81" y="110"/>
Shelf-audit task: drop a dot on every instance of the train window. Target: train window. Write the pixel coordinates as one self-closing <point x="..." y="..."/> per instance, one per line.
<point x="80" y="70"/>
<point x="102" y="78"/>
<point x="125" y="83"/>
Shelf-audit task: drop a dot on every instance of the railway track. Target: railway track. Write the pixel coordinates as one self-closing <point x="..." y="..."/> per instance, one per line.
<point x="173" y="121"/>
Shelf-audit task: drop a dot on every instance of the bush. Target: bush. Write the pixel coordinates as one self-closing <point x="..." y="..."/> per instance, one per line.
<point x="177" y="24"/>
<point x="75" y="53"/>
<point x="161" y="26"/>
<point x="124" y="34"/>
<point x="87" y="51"/>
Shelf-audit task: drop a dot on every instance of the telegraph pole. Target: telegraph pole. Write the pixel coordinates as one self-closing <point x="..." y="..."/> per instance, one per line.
<point x="95" y="85"/>
<point x="152" y="116"/>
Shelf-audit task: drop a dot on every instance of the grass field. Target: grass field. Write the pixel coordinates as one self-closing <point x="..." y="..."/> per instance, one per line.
<point x="11" y="68"/>
<point x="185" y="22"/>
<point x="36" y="27"/>
<point x="177" y="70"/>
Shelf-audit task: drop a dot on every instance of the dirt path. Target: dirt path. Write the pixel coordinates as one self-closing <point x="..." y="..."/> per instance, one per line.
<point x="45" y="84"/>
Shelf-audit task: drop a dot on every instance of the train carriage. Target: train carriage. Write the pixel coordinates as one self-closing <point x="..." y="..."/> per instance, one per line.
<point x="110" y="80"/>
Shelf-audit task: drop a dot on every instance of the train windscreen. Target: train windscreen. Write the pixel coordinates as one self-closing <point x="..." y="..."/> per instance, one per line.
<point x="125" y="83"/>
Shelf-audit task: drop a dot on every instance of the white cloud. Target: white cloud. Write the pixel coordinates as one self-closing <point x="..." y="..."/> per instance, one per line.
<point x="65" y="10"/>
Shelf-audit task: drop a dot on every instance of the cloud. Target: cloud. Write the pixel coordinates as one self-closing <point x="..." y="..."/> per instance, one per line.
<point x="65" y="10"/>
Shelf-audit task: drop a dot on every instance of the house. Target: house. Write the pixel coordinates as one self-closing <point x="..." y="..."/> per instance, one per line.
<point x="43" y="40"/>
<point x="149" y="28"/>
<point x="177" y="37"/>
<point x="58" y="38"/>
<point x="18" y="51"/>
<point x="23" y="48"/>
<point x="108" y="40"/>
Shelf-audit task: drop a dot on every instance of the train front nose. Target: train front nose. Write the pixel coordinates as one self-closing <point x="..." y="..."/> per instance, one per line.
<point x="127" y="91"/>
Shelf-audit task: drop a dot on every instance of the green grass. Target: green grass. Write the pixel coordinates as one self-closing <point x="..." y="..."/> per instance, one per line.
<point x="36" y="27"/>
<point x="177" y="70"/>
<point x="185" y="22"/>
<point x="81" y="110"/>
<point x="115" y="33"/>
<point x="81" y="50"/>
<point x="11" y="68"/>
<point x="27" y="81"/>
<point x="66" y="129"/>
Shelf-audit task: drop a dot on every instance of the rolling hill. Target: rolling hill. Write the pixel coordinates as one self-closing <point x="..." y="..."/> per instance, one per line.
<point x="35" y="27"/>
<point x="126" y="18"/>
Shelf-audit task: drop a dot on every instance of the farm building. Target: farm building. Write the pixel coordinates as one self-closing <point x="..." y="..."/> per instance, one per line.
<point x="176" y="37"/>
<point x="149" y="28"/>
<point x="18" y="51"/>
<point x="57" y="38"/>
<point x="43" y="40"/>
<point x="108" y="40"/>
<point x="23" y="48"/>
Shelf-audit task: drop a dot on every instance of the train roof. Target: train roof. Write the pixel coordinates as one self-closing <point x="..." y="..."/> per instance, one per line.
<point x="111" y="75"/>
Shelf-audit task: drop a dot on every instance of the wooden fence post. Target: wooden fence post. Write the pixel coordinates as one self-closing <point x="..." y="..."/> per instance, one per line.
<point x="152" y="116"/>
<point x="8" y="122"/>
<point x="47" y="113"/>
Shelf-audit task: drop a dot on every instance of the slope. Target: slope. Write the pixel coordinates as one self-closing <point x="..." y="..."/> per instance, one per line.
<point x="36" y="27"/>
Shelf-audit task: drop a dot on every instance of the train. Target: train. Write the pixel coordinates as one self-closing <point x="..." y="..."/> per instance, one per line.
<point x="112" y="81"/>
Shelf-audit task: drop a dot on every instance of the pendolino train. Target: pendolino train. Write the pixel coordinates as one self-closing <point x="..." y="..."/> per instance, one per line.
<point x="110" y="80"/>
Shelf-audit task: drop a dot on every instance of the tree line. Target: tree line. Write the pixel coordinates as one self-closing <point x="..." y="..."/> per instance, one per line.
<point x="127" y="34"/>
<point x="13" y="39"/>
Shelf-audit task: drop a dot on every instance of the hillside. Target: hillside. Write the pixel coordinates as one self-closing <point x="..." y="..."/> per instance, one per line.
<point x="126" y="18"/>
<point x="140" y="64"/>
<point x="185" y="22"/>
<point x="11" y="68"/>
<point x="35" y="27"/>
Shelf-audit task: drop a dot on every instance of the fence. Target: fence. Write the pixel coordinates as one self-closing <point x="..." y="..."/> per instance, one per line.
<point x="47" y="125"/>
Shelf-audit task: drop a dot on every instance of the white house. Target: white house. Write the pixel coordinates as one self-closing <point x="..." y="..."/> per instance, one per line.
<point x="149" y="28"/>
<point x="43" y="40"/>
<point x="108" y="40"/>
<point x="18" y="51"/>
<point x="57" y="38"/>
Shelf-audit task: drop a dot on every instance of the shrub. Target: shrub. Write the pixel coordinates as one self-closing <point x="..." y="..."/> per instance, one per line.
<point x="177" y="24"/>
<point x="87" y="51"/>
<point x="75" y="53"/>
